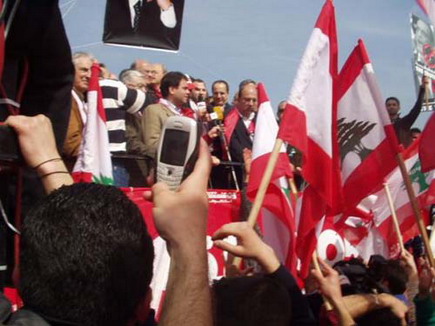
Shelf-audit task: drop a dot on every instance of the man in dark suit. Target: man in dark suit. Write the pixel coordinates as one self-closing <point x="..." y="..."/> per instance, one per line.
<point x="149" y="23"/>
<point x="240" y="123"/>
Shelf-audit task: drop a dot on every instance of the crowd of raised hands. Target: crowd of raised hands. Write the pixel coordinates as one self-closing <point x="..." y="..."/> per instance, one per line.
<point x="248" y="298"/>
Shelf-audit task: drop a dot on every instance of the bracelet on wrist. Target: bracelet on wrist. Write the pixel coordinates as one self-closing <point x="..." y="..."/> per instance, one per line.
<point x="50" y="160"/>
<point x="54" y="172"/>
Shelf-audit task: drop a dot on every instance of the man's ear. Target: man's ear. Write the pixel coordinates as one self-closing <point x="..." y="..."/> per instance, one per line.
<point x="172" y="90"/>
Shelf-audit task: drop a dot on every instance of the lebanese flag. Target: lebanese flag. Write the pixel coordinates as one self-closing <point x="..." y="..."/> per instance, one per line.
<point x="230" y="123"/>
<point x="277" y="215"/>
<point x="307" y="121"/>
<point x="94" y="163"/>
<point x="427" y="149"/>
<point x="428" y="6"/>
<point x="368" y="144"/>
<point x="424" y="187"/>
<point x="308" y="125"/>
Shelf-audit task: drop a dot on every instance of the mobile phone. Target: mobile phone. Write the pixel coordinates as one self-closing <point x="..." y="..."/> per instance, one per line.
<point x="10" y="152"/>
<point x="177" y="151"/>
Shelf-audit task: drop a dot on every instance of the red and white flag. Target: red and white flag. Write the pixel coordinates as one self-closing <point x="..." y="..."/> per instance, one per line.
<point x="366" y="137"/>
<point x="277" y="215"/>
<point x="424" y="187"/>
<point x="427" y="149"/>
<point x="428" y="6"/>
<point x="308" y="125"/>
<point x="94" y="163"/>
<point x="307" y="121"/>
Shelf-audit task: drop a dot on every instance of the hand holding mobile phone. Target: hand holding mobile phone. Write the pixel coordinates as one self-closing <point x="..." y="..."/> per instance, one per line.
<point x="177" y="151"/>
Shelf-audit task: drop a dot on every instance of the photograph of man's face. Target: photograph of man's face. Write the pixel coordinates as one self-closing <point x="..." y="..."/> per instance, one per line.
<point x="144" y="23"/>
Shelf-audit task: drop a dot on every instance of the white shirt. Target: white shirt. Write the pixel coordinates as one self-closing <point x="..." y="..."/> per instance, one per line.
<point x="247" y="121"/>
<point x="170" y="106"/>
<point x="167" y="16"/>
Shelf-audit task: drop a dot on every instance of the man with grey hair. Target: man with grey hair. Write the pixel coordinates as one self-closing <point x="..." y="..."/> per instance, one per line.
<point x="82" y="63"/>
<point x="134" y="79"/>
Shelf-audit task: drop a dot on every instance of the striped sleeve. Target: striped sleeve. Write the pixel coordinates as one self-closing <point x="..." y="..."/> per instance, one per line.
<point x="117" y="95"/>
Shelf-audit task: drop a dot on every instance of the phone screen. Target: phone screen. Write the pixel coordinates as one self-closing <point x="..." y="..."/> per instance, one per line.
<point x="174" y="147"/>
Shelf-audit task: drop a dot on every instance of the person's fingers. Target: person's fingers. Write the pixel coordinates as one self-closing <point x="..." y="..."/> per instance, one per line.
<point x="235" y="250"/>
<point x="159" y="192"/>
<point x="325" y="266"/>
<point x="318" y="276"/>
<point x="228" y="229"/>
<point x="198" y="179"/>
<point x="148" y="195"/>
<point x="151" y="177"/>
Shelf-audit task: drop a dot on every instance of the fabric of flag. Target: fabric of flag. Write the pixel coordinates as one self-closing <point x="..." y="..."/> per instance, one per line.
<point x="308" y="125"/>
<point x="428" y="6"/>
<point x="427" y="148"/>
<point x="230" y="123"/>
<point x="424" y="187"/>
<point x="368" y="143"/>
<point x="94" y="162"/>
<point x="307" y="120"/>
<point x="277" y="216"/>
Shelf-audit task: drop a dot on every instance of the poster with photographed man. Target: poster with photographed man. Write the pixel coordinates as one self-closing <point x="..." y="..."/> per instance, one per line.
<point x="423" y="42"/>
<point x="144" y="23"/>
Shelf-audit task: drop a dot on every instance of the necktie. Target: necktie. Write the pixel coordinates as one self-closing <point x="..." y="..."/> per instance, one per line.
<point x="137" y="8"/>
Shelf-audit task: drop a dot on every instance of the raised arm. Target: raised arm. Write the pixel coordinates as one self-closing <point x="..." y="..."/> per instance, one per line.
<point x="38" y="146"/>
<point x="329" y="285"/>
<point x="408" y="120"/>
<point x="249" y="245"/>
<point x="181" y="219"/>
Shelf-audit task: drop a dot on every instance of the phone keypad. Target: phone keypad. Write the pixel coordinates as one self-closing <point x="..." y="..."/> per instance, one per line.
<point x="172" y="177"/>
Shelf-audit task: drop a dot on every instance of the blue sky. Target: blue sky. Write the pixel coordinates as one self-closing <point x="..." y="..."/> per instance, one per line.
<point x="263" y="40"/>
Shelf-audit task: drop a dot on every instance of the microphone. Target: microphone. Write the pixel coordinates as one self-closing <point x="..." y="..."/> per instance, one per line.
<point x="200" y="104"/>
<point x="214" y="116"/>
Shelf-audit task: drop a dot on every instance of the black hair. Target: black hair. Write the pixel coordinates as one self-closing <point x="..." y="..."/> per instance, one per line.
<point x="392" y="98"/>
<point x="377" y="265"/>
<point x="86" y="256"/>
<point x="197" y="80"/>
<point x="418" y="130"/>
<point x="171" y="79"/>
<point x="221" y="81"/>
<point x="244" y="83"/>
<point x="251" y="300"/>
<point x="396" y="276"/>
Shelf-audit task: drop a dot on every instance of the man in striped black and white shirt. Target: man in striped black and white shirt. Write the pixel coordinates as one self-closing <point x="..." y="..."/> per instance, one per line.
<point x="119" y="100"/>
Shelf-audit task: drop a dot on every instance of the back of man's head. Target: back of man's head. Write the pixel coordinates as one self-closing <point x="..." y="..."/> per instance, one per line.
<point x="251" y="300"/>
<point x="171" y="79"/>
<point x="86" y="256"/>
<point x="395" y="277"/>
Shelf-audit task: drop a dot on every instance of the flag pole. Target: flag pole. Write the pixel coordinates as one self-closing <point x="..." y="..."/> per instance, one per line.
<point x="267" y="176"/>
<point x="293" y="187"/>
<point x="432" y="234"/>
<point x="416" y="208"/>
<point x="394" y="217"/>
<point x="227" y="151"/>
<point x="426" y="92"/>
<point x="259" y="198"/>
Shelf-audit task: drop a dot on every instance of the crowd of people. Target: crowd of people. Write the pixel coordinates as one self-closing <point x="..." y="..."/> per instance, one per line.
<point x="137" y="105"/>
<point x="86" y="259"/>
<point x="86" y="255"/>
